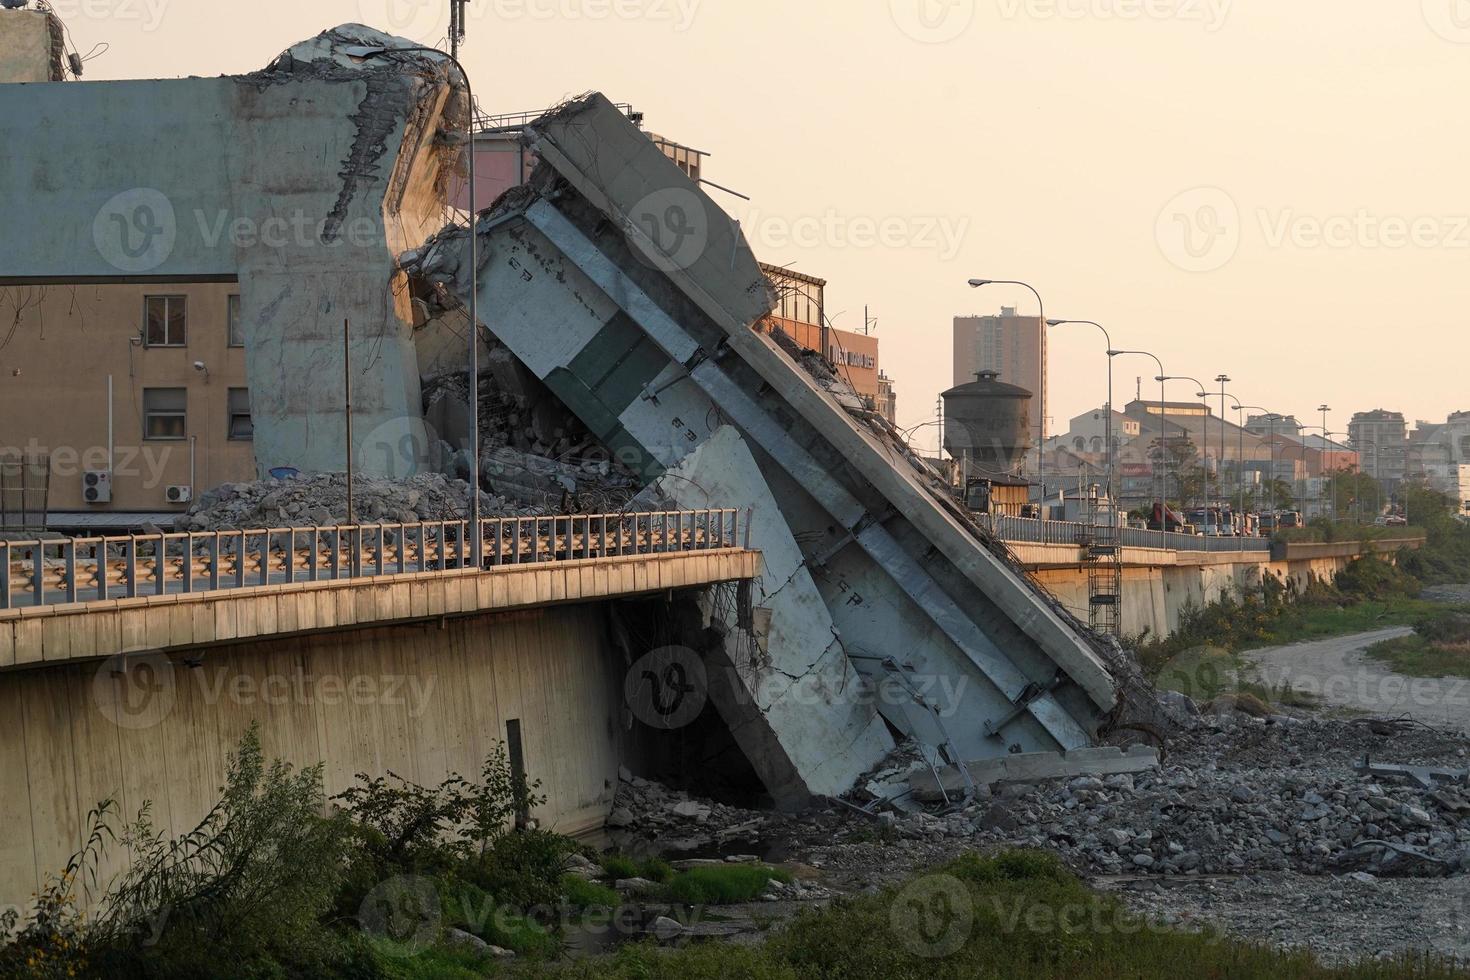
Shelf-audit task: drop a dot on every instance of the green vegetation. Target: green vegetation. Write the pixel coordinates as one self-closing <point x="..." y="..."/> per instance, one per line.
<point x="1445" y="557"/>
<point x="1323" y="530"/>
<point x="618" y="867"/>
<point x="727" y="884"/>
<point x="274" y="882"/>
<point x="1439" y="647"/>
<point x="1015" y="915"/>
<point x="583" y="894"/>
<point x="1369" y="594"/>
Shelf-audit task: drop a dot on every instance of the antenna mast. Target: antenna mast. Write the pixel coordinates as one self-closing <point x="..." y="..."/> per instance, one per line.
<point x="456" y="26"/>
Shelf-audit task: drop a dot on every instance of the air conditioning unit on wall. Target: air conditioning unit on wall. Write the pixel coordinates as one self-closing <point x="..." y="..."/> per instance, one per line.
<point x="97" y="486"/>
<point x="179" y="494"/>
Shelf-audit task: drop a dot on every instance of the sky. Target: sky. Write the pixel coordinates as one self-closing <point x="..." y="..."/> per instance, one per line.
<point x="1273" y="191"/>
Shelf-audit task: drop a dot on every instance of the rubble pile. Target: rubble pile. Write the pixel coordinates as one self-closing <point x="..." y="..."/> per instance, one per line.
<point x="648" y="816"/>
<point x="1239" y="795"/>
<point x="532" y="450"/>
<point x="321" y="500"/>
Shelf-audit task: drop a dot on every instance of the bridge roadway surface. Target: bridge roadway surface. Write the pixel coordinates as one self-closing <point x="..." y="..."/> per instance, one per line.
<point x="241" y="559"/>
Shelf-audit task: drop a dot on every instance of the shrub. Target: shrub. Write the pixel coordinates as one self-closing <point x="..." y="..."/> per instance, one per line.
<point x="413" y="827"/>
<point x="522" y="869"/>
<point x="1448" y="628"/>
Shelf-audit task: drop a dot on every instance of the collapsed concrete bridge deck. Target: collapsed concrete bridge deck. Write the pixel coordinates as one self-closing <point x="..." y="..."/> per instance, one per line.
<point x="622" y="286"/>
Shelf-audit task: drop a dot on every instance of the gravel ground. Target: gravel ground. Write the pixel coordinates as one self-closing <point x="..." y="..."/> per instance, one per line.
<point x="1340" y="675"/>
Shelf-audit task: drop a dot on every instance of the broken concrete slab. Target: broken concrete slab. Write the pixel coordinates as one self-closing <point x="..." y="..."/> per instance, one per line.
<point x="1424" y="776"/>
<point x="620" y="284"/>
<point x="1035" y="767"/>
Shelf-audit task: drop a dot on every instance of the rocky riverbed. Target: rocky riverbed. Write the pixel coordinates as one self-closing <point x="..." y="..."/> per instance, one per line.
<point x="1262" y="829"/>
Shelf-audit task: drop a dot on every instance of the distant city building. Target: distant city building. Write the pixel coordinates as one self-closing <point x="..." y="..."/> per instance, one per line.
<point x="887" y="398"/>
<point x="1087" y="433"/>
<point x="1438" y="452"/>
<point x="1012" y="346"/>
<point x="1381" y="439"/>
<point x="800" y="314"/>
<point x="1273" y="425"/>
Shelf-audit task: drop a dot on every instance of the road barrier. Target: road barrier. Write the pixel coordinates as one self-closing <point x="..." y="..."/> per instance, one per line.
<point x="68" y="570"/>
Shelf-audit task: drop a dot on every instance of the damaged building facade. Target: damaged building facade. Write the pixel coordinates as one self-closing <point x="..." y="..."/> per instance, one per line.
<point x="623" y="311"/>
<point x="207" y="240"/>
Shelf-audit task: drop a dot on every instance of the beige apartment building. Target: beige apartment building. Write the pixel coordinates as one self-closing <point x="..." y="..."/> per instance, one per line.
<point x="132" y="397"/>
<point x="1013" y="346"/>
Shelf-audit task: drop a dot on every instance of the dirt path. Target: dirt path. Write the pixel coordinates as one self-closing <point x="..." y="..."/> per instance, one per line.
<point x="1339" y="675"/>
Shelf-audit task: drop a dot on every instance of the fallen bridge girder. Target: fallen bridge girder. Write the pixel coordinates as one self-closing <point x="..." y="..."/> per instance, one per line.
<point x="570" y="289"/>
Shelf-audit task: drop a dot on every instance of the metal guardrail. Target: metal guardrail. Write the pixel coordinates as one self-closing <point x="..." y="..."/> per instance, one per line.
<point x="1031" y="531"/>
<point x="72" y="570"/>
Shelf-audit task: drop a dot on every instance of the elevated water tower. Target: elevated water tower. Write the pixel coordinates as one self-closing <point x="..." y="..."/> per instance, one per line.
<point x="987" y="425"/>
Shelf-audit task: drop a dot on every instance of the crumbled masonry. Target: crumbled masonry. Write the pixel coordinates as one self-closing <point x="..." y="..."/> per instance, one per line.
<point x="321" y="500"/>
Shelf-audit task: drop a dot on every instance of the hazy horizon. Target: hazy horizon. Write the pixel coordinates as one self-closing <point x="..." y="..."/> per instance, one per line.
<point x="1264" y="192"/>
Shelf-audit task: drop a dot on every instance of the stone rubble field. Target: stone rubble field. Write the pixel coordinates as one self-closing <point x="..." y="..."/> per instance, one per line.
<point x="1258" y="828"/>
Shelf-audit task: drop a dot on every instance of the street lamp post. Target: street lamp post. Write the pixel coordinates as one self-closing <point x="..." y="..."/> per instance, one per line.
<point x="1324" y="409"/>
<point x="1220" y="475"/>
<point x="1108" y="424"/>
<point x="1204" y="396"/>
<point x="1040" y="395"/>
<point x="1271" y="439"/>
<point x="473" y="371"/>
<point x="1163" y="432"/>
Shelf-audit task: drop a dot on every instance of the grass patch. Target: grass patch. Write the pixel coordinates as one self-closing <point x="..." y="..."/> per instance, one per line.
<point x="618" y="867"/>
<point x="583" y="894"/>
<point x="1438" y="647"/>
<point x="1015" y="915"/>
<point x="727" y="884"/>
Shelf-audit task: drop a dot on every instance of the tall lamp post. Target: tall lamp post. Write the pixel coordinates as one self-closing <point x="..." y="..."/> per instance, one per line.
<point x="1041" y="395"/>
<point x="1108" y="424"/>
<point x="1163" y="432"/>
<point x="1203" y="394"/>
<point x="1322" y="468"/>
<point x="1240" y="453"/>
<point x="1324" y="408"/>
<point x="1220" y="474"/>
<point x="473" y="372"/>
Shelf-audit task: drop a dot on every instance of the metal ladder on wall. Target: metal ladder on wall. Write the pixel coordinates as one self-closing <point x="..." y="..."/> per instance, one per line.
<point x="1104" y="553"/>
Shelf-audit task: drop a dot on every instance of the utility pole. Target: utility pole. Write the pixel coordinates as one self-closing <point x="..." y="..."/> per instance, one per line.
<point x="347" y="399"/>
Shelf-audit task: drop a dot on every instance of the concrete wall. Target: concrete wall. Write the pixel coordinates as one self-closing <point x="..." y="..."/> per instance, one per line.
<point x="1154" y="598"/>
<point x="421" y="700"/>
<point x="303" y="182"/>
<point x="53" y="403"/>
<point x="30" y="44"/>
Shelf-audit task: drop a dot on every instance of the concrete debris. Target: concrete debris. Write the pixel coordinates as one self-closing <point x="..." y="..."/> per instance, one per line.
<point x="321" y="500"/>
<point x="1425" y="776"/>
<point x="1032" y="767"/>
<point x="532" y="449"/>
<point x="666" y="820"/>
<point x="1239" y="795"/>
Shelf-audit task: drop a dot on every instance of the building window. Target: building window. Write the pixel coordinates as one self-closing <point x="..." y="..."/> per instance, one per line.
<point x="237" y="336"/>
<point x="167" y="322"/>
<point x="165" y="413"/>
<point x="240" y="425"/>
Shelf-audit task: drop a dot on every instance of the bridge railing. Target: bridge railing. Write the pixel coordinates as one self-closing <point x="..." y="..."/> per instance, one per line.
<point x="1031" y="531"/>
<point x="67" y="570"/>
